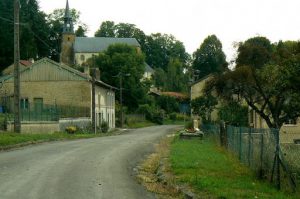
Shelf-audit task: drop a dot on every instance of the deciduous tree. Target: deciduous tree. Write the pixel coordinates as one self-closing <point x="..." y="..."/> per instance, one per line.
<point x="209" y="58"/>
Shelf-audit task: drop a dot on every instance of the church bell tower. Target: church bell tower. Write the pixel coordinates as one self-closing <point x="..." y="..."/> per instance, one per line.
<point x="68" y="39"/>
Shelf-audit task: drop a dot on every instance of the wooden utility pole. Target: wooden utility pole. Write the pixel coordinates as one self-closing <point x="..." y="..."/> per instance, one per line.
<point x="93" y="100"/>
<point x="121" y="102"/>
<point x="17" y="122"/>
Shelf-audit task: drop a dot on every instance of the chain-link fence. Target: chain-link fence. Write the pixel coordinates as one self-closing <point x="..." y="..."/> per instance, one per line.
<point x="260" y="149"/>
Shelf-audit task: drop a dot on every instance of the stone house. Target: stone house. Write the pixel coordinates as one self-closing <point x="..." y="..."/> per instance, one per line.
<point x="46" y="83"/>
<point x="289" y="132"/>
<point x="197" y="90"/>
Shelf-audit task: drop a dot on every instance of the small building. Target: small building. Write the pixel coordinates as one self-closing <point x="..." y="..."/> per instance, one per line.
<point x="50" y="87"/>
<point x="289" y="132"/>
<point x="197" y="90"/>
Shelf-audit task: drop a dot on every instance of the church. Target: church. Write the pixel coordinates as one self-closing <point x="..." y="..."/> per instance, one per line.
<point x="77" y="50"/>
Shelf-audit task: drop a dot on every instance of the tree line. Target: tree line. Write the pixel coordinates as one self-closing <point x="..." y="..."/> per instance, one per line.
<point x="41" y="37"/>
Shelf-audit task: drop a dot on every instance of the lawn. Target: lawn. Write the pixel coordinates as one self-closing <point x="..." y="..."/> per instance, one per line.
<point x="214" y="173"/>
<point x="8" y="140"/>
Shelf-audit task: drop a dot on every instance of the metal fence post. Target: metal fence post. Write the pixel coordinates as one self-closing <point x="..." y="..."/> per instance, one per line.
<point x="249" y="145"/>
<point x="278" y="159"/>
<point x="261" y="173"/>
<point x="240" y="144"/>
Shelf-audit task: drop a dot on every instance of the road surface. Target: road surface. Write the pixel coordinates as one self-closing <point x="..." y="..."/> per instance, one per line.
<point x="82" y="169"/>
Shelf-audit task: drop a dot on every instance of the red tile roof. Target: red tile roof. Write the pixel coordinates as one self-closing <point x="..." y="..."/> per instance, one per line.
<point x="175" y="94"/>
<point x="25" y="62"/>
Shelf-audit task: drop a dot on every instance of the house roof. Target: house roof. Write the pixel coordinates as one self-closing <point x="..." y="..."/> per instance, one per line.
<point x="98" y="44"/>
<point x="63" y="66"/>
<point x="201" y="79"/>
<point x="175" y="95"/>
<point x="25" y="62"/>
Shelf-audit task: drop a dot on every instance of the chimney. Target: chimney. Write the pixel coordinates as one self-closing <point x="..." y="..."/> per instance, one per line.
<point x="31" y="60"/>
<point x="97" y="74"/>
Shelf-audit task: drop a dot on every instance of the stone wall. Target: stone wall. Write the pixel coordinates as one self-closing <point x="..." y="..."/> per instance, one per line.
<point x="36" y="127"/>
<point x="64" y="93"/>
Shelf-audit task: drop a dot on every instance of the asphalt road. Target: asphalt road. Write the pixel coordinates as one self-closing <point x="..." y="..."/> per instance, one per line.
<point x="93" y="168"/>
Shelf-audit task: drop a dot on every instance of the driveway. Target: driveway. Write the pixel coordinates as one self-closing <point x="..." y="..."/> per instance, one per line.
<point x="92" y="168"/>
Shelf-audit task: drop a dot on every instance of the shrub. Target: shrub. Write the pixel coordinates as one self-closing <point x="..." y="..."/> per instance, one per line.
<point x="71" y="129"/>
<point x="104" y="127"/>
<point x="158" y="117"/>
<point x="173" y="116"/>
<point x="189" y="125"/>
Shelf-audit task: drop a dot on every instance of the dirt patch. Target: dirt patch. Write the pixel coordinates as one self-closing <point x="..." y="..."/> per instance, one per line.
<point x="154" y="173"/>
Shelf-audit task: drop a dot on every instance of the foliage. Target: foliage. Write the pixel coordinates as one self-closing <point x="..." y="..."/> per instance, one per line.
<point x="255" y="52"/>
<point x="203" y="106"/>
<point x="34" y="32"/>
<point x="167" y="103"/>
<point x="233" y="113"/>
<point x="270" y="90"/>
<point x="71" y="129"/>
<point x="176" y="79"/>
<point x="80" y="32"/>
<point x="121" y="30"/>
<point x="173" y="116"/>
<point x="209" y="58"/>
<point x="189" y="125"/>
<point x="104" y="127"/>
<point x="126" y="62"/>
<point x="152" y="113"/>
<point x="161" y="48"/>
<point x="107" y="29"/>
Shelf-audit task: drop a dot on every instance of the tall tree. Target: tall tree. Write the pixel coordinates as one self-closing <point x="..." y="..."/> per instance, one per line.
<point x="269" y="89"/>
<point x="209" y="58"/>
<point x="120" y="60"/>
<point x="176" y="80"/>
<point x="254" y="52"/>
<point x="34" y="31"/>
<point x="161" y="48"/>
<point x="107" y="29"/>
<point x="81" y="31"/>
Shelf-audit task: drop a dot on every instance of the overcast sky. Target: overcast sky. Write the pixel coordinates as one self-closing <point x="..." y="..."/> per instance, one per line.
<point x="191" y="21"/>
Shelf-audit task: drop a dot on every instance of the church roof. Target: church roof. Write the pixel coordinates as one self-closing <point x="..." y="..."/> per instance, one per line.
<point x="98" y="44"/>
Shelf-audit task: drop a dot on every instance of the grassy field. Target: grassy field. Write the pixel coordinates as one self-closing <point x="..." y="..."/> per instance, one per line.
<point x="8" y="140"/>
<point x="213" y="173"/>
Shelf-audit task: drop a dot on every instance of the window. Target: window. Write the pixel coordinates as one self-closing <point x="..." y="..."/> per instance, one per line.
<point x="24" y="103"/>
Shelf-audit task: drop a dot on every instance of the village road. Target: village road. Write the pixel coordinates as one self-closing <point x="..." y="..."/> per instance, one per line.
<point x="99" y="168"/>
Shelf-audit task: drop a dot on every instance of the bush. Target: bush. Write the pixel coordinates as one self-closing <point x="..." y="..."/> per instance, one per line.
<point x="173" y="116"/>
<point x="158" y="117"/>
<point x="71" y="129"/>
<point x="189" y="125"/>
<point x="104" y="127"/>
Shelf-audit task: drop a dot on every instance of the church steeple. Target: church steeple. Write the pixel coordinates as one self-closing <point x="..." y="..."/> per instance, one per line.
<point x="68" y="22"/>
<point x="68" y="39"/>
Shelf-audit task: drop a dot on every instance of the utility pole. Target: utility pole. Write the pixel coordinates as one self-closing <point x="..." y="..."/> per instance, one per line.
<point x="121" y="102"/>
<point x="93" y="100"/>
<point x="17" y="122"/>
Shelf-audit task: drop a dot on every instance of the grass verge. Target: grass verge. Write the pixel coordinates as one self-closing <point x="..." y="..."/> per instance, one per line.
<point x="214" y="173"/>
<point x="135" y="125"/>
<point x="12" y="140"/>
